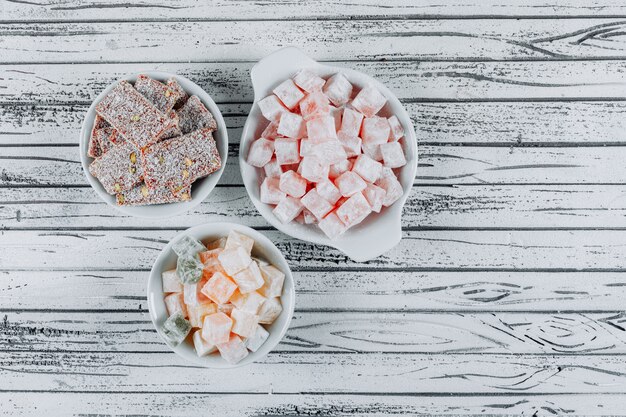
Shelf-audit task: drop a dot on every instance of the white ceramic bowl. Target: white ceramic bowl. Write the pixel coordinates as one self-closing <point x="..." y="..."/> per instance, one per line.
<point x="200" y="189"/>
<point x="378" y="232"/>
<point x="264" y="249"/>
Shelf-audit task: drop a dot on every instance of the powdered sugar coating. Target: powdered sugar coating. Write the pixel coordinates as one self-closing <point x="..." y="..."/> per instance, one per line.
<point x="157" y="93"/>
<point x="193" y="115"/>
<point x="118" y="170"/>
<point x="144" y="195"/>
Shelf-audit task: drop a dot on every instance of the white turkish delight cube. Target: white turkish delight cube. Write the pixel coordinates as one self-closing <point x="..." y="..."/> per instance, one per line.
<point x="312" y="169"/>
<point x="321" y="129"/>
<point x="226" y="308"/>
<point x="328" y="190"/>
<point x="250" y="302"/>
<point x="354" y="210"/>
<point x="234" y="260"/>
<point x="369" y="101"/>
<point x="291" y="125"/>
<point x="260" y="153"/>
<point x="236" y="239"/>
<point x="171" y="282"/>
<point x="254" y="342"/>
<point x="375" y="130"/>
<point x="249" y="279"/>
<point x="216" y="328"/>
<point x="350" y="183"/>
<point x="287" y="151"/>
<point x="397" y="131"/>
<point x="233" y="350"/>
<point x="367" y="168"/>
<point x="244" y="323"/>
<point x="351" y="144"/>
<point x="270" y="192"/>
<point x="175" y="303"/>
<point x="193" y="295"/>
<point x="374" y="196"/>
<point x="351" y="121"/>
<point x="273" y="169"/>
<point x="270" y="310"/>
<point x="308" y="81"/>
<point x="316" y="204"/>
<point x="289" y="93"/>
<point x="393" y="155"/>
<point x="338" y="89"/>
<point x="287" y="209"/>
<point x="332" y="226"/>
<point x="292" y="184"/>
<point x="305" y="146"/>
<point x="198" y="312"/>
<point x="272" y="108"/>
<point x="202" y="347"/>
<point x="274" y="280"/>
<point x="314" y="105"/>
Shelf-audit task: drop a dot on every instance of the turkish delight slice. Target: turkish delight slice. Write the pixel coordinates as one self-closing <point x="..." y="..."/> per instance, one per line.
<point x="174" y="129"/>
<point x="175" y="87"/>
<point x="193" y="115"/>
<point x="107" y="137"/>
<point x="144" y="195"/>
<point x="118" y="170"/>
<point x="157" y="93"/>
<point x="94" y="150"/>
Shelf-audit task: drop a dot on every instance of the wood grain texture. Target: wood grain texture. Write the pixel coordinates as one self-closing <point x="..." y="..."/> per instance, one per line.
<point x="477" y="39"/>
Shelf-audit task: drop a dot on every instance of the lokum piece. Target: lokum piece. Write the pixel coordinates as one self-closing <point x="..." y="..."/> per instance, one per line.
<point x="273" y="281"/>
<point x="351" y="122"/>
<point x="351" y="144"/>
<point x="254" y="342"/>
<point x="202" y="347"/>
<point x="374" y="196"/>
<point x="272" y="108"/>
<point x="375" y="130"/>
<point x="339" y="168"/>
<point x="236" y="239"/>
<point x="314" y="105"/>
<point x="99" y="122"/>
<point x="354" y="210"/>
<point x="118" y="170"/>
<point x="373" y="151"/>
<point x="288" y="93"/>
<point x="308" y="217"/>
<point x="338" y="89"/>
<point x="198" y="312"/>
<point x="94" y="149"/>
<point x="273" y="169"/>
<point x="249" y="279"/>
<point x="175" y="303"/>
<point x="397" y="131"/>
<point x="270" y="310"/>
<point x="316" y="204"/>
<point x="312" y="169"/>
<point x="157" y="93"/>
<point x="174" y="129"/>
<point x="132" y="115"/>
<point x="234" y="260"/>
<point x="193" y="115"/>
<point x="292" y="184"/>
<point x="321" y="129"/>
<point x="329" y="152"/>
<point x="250" y="302"/>
<point x="189" y="268"/>
<point x="291" y="125"/>
<point x="244" y="323"/>
<point x="143" y="195"/>
<point x="226" y="308"/>
<point x="328" y="190"/>
<point x="233" y="351"/>
<point x="178" y="162"/>
<point x="393" y="155"/>
<point x="171" y="282"/>
<point x="305" y="146"/>
<point x="175" y="329"/>
<point x="216" y="328"/>
<point x="287" y="209"/>
<point x="178" y="89"/>
<point x="187" y="245"/>
<point x="350" y="183"/>
<point x="332" y="226"/>
<point x="107" y="137"/>
<point x="218" y="243"/>
<point x="209" y="257"/>
<point x="271" y="131"/>
<point x="219" y="288"/>
<point x="392" y="187"/>
<point x="270" y="192"/>
<point x="367" y="168"/>
<point x="308" y="81"/>
<point x="369" y="101"/>
<point x="260" y="153"/>
<point x="287" y="151"/>
<point x="193" y="295"/>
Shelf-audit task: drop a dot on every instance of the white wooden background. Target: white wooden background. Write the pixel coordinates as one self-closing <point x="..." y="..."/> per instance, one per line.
<point x="506" y="296"/>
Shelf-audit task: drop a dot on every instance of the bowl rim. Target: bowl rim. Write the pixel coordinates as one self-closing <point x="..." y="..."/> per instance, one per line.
<point x="289" y="293"/>
<point x="306" y="232"/>
<point x="156" y="210"/>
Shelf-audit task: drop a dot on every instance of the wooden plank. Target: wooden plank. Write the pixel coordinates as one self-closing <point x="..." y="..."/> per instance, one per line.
<point x="316" y="373"/>
<point x="60" y="165"/>
<point x="420" y="250"/>
<point x="318" y="332"/>
<point x="461" y="206"/>
<point x="320" y="9"/>
<point x="439" y="39"/>
<point x="517" y="123"/>
<point x="229" y="82"/>
<point x="339" y="404"/>
<point x="338" y="291"/>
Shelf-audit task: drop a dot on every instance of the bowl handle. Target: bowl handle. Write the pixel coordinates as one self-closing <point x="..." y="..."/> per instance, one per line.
<point x="277" y="67"/>
<point x="361" y="248"/>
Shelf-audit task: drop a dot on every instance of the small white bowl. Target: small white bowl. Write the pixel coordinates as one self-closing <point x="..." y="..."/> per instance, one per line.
<point x="264" y="249"/>
<point x="200" y="189"/>
<point x="379" y="232"/>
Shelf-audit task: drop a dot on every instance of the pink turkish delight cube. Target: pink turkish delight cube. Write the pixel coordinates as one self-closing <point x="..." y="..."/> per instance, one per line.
<point x="291" y="125"/>
<point x="375" y="130"/>
<point x="314" y="105"/>
<point x="316" y="204"/>
<point x="351" y="122"/>
<point x="392" y="187"/>
<point x="219" y="288"/>
<point x="312" y="169"/>
<point x="321" y="129"/>
<point x="373" y="151"/>
<point x="289" y="93"/>
<point x="336" y="113"/>
<point x="272" y="108"/>
<point x="270" y="192"/>
<point x="287" y="209"/>
<point x="367" y="168"/>
<point x="174" y="303"/>
<point x="397" y="131"/>
<point x="244" y="323"/>
<point x="349" y="183"/>
<point x="393" y="155"/>
<point x="308" y="81"/>
<point x="339" y="168"/>
<point x="271" y="131"/>
<point x="338" y="89"/>
<point x="332" y="226"/>
<point x="292" y="184"/>
<point x="216" y="328"/>
<point x="273" y="169"/>
<point x="330" y="152"/>
<point x="260" y="153"/>
<point x="369" y="101"/>
<point x="308" y="217"/>
<point x="234" y="350"/>
<point x="354" y="210"/>
<point x="374" y="196"/>
<point x="328" y="190"/>
<point x="287" y="151"/>
<point x="351" y="144"/>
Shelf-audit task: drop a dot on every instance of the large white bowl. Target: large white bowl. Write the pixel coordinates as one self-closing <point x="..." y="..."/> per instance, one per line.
<point x="200" y="189"/>
<point x="264" y="249"/>
<point x="379" y="232"/>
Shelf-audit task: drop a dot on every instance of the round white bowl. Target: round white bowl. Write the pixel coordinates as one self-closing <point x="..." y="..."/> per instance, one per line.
<point x="200" y="189"/>
<point x="264" y="249"/>
<point x="379" y="232"/>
